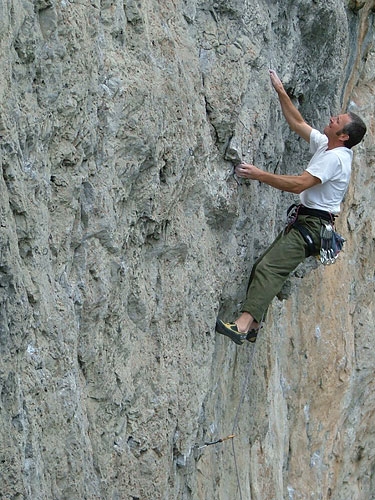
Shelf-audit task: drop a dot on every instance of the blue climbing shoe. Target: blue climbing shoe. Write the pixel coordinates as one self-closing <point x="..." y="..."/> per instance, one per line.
<point x="231" y="331"/>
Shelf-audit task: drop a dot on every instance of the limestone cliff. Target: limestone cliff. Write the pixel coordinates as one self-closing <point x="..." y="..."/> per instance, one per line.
<point x="123" y="234"/>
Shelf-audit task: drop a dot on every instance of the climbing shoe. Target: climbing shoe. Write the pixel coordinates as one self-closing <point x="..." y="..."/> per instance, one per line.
<point x="231" y="331"/>
<point x="252" y="335"/>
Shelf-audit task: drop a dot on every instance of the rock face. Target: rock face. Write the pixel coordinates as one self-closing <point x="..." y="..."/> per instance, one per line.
<point x="123" y="235"/>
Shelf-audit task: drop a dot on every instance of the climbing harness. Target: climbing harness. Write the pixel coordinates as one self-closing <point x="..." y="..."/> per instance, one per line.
<point x="292" y="216"/>
<point x="331" y="242"/>
<point x="306" y="235"/>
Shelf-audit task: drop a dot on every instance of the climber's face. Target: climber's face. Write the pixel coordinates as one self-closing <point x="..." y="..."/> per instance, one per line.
<point x="336" y="124"/>
<point x="334" y="129"/>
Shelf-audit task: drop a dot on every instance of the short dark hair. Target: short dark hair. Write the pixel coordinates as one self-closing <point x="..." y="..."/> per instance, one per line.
<point x="356" y="129"/>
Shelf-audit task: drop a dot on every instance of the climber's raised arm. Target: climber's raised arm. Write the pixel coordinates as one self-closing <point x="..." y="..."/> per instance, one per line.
<point x="291" y="113"/>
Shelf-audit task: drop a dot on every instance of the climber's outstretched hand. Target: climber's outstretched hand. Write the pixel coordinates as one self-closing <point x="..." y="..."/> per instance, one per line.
<point x="294" y="118"/>
<point x="275" y="80"/>
<point x="247" y="171"/>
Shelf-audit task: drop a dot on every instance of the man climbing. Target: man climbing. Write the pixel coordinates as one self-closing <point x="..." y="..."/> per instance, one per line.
<point x="321" y="187"/>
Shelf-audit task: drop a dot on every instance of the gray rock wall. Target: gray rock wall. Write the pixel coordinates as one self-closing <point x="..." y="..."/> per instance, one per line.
<point x="123" y="234"/>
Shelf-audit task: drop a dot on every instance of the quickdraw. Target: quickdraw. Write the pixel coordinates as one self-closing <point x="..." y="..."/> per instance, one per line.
<point x="231" y="436"/>
<point x="331" y="244"/>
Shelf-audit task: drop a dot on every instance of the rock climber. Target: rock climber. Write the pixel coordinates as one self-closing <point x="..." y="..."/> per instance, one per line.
<point x="321" y="188"/>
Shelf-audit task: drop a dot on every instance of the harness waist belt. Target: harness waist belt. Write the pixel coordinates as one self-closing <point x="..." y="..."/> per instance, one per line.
<point x="316" y="213"/>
